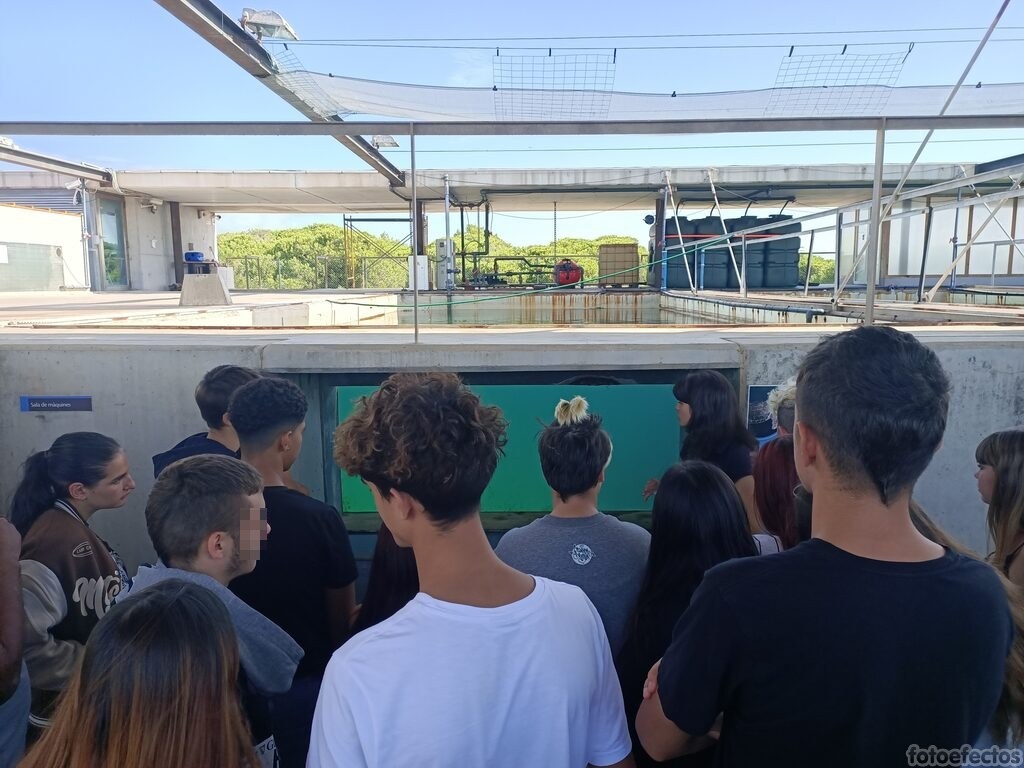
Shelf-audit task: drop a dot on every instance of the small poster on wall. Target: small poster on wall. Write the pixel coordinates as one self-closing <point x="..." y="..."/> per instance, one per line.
<point x="759" y="417"/>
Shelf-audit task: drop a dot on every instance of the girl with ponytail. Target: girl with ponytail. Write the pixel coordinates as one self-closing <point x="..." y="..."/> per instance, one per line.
<point x="69" y="575"/>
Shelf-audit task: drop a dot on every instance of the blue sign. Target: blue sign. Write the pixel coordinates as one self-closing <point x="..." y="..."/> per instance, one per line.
<point x="55" y="404"/>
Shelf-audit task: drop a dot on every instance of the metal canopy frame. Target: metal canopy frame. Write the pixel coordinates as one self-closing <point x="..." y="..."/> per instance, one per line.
<point x="499" y="128"/>
<point x="222" y="32"/>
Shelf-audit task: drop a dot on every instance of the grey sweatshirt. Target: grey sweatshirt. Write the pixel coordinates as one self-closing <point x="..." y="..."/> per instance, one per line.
<point x="267" y="653"/>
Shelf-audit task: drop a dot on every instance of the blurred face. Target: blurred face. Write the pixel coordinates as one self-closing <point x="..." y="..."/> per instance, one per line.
<point x="253" y="529"/>
<point x="986" y="477"/>
<point x="112" y="490"/>
<point x="683" y="413"/>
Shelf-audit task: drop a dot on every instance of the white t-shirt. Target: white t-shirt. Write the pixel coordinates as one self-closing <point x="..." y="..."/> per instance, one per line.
<point x="441" y="684"/>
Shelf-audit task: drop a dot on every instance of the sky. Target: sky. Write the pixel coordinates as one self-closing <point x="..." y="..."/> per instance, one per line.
<point x="132" y="60"/>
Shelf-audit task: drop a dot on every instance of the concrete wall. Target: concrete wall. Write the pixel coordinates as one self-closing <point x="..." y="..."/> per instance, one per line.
<point x="199" y="232"/>
<point x="150" y="248"/>
<point x="33" y="226"/>
<point x="150" y="255"/>
<point x="142" y="385"/>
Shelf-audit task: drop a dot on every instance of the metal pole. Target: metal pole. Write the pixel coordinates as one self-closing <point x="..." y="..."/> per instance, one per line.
<point x="743" y="269"/>
<point x="988" y="208"/>
<point x="679" y="233"/>
<point x="662" y="235"/>
<point x="414" y="238"/>
<point x="992" y="282"/>
<point x="956" y="232"/>
<point x="810" y="255"/>
<point x="967" y="246"/>
<point x="924" y="252"/>
<point x="449" y="263"/>
<point x="931" y="131"/>
<point x="725" y="229"/>
<point x="839" y="250"/>
<point x="874" y="225"/>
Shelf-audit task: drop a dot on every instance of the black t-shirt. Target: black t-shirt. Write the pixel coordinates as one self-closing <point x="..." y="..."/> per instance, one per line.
<point x="734" y="459"/>
<point x="306" y="553"/>
<point x="819" y="657"/>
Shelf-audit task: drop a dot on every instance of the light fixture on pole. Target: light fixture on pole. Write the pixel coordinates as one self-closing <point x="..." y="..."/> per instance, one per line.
<point x="383" y="140"/>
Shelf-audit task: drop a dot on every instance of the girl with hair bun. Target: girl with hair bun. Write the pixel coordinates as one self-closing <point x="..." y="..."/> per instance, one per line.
<point x="576" y="543"/>
<point x="69" y="575"/>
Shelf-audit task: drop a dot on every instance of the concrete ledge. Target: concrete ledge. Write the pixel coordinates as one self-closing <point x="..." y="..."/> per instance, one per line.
<point x="204" y="291"/>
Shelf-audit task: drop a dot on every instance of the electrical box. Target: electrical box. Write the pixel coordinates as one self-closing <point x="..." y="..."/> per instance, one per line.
<point x="445" y="255"/>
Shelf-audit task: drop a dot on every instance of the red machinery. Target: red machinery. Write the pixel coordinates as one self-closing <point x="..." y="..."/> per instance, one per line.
<point x="568" y="272"/>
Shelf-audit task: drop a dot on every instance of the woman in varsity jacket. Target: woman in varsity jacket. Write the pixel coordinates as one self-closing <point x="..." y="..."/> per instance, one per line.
<point x="69" y="575"/>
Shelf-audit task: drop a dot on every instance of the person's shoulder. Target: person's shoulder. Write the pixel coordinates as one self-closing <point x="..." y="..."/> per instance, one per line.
<point x="282" y="497"/>
<point x="976" y="574"/>
<point x="636" y="533"/>
<point x="52" y="529"/>
<point x="523" y="534"/>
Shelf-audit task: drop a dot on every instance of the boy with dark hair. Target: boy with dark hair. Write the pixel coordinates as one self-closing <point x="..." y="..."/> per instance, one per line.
<point x="212" y="396"/>
<point x="305" y="580"/>
<point x="866" y="642"/>
<point x="486" y="665"/>
<point x="576" y="543"/>
<point x="205" y="518"/>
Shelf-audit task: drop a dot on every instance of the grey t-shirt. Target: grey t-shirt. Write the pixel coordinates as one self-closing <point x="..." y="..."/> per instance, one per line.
<point x="600" y="554"/>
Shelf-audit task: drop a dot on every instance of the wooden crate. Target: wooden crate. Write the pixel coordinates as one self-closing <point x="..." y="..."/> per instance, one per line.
<point x="612" y="259"/>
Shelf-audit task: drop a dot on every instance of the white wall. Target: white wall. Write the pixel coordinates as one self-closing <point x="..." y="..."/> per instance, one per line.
<point x="34" y="226"/>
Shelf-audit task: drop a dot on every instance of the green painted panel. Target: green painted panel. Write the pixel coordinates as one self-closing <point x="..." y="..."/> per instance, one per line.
<point x="640" y="418"/>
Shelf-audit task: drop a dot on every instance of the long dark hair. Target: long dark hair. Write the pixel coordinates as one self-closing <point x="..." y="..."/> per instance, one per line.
<point x="77" y="457"/>
<point x="715" y="420"/>
<point x="393" y="581"/>
<point x="775" y="479"/>
<point x="1004" y="452"/>
<point x="171" y="651"/>
<point x="698" y="522"/>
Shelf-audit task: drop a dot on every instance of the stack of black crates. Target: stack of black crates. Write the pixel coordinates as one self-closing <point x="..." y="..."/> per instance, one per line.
<point x="771" y="264"/>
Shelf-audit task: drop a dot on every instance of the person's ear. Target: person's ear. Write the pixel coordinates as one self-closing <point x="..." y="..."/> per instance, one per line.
<point x="226" y="420"/>
<point x="806" y="445"/>
<point x="78" y="491"/>
<point x="216" y="545"/>
<point x="405" y="505"/>
<point x="284" y="442"/>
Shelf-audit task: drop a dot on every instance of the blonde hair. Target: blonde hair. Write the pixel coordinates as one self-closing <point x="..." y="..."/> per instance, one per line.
<point x="572" y="411"/>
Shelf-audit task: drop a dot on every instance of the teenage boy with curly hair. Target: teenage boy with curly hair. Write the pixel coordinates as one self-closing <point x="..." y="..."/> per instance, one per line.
<point x="486" y="665"/>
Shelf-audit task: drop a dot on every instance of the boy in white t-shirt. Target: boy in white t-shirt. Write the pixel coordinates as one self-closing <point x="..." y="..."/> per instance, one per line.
<point x="486" y="666"/>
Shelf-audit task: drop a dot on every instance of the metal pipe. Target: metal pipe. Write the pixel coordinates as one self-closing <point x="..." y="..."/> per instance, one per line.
<point x="449" y="263"/>
<point x="839" y="250"/>
<point x="924" y="253"/>
<point x="415" y="239"/>
<point x="679" y="233"/>
<point x="874" y="225"/>
<point x="810" y="256"/>
<point x="725" y="230"/>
